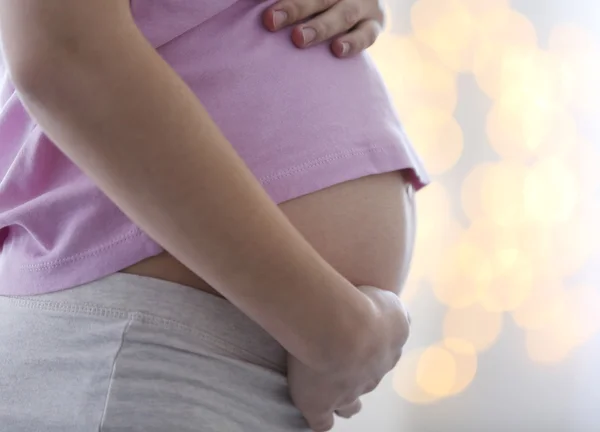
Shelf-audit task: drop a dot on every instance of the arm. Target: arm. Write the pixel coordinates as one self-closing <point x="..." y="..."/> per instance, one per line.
<point x="111" y="104"/>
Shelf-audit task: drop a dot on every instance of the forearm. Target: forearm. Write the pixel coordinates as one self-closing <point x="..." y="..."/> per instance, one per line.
<point x="128" y="121"/>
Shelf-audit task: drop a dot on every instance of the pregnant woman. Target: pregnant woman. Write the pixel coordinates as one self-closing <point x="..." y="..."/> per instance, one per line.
<point x="201" y="228"/>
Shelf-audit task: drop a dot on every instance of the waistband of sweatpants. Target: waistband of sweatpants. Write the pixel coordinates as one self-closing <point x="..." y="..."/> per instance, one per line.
<point x="120" y="295"/>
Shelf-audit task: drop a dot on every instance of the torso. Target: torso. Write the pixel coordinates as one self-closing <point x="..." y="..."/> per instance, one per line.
<point x="364" y="228"/>
<point x="298" y="131"/>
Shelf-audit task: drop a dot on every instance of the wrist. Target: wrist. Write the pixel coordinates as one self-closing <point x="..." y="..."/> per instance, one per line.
<point x="358" y="339"/>
<point x="377" y="343"/>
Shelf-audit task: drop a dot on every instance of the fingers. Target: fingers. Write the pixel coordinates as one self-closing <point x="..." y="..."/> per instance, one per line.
<point x="362" y="37"/>
<point x="350" y="410"/>
<point x="321" y="424"/>
<point x="393" y="323"/>
<point x="287" y="12"/>
<point x="342" y="17"/>
<point x="358" y="21"/>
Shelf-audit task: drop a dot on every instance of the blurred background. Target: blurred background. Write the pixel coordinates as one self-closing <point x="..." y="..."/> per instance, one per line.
<point x="502" y="100"/>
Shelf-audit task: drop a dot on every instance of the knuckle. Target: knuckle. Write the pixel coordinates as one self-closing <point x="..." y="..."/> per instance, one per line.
<point x="321" y="30"/>
<point x="352" y="15"/>
<point x="304" y="9"/>
<point x="301" y="9"/>
<point x="326" y="4"/>
<point x="293" y="11"/>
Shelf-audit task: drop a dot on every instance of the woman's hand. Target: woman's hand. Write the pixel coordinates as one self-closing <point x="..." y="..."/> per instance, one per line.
<point x="354" y="25"/>
<point x="320" y="395"/>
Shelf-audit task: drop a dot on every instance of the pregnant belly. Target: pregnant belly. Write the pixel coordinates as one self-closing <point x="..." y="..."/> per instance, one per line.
<point x="364" y="228"/>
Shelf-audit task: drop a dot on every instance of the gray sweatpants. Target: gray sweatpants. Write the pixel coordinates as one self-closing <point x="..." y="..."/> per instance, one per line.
<point x="129" y="353"/>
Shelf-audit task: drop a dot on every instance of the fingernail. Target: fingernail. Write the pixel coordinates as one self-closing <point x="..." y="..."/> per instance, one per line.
<point x="279" y="18"/>
<point x="345" y="48"/>
<point x="308" y="35"/>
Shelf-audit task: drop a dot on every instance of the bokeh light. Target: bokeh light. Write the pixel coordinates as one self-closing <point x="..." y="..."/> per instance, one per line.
<point x="436" y="230"/>
<point x="521" y="131"/>
<point x="452" y="28"/>
<point x="415" y="77"/>
<point x="495" y="192"/>
<point x="465" y="358"/>
<point x="579" y="53"/>
<point x="583" y="307"/>
<point x="572" y="325"/>
<point x="437" y="136"/>
<point x="389" y="22"/>
<point x="550" y="344"/>
<point x="505" y="36"/>
<point x="473" y="324"/>
<point x="436" y="371"/>
<point x="471" y="191"/>
<point x="438" y="87"/>
<point x="551" y="192"/>
<point x="441" y="370"/>
<point x="583" y="160"/>
<point x="544" y="306"/>
<point x="531" y="81"/>
<point x="447" y="27"/>
<point x="463" y="275"/>
<point x="574" y="242"/>
<point x="405" y="379"/>
<point x="511" y="222"/>
<point x="399" y="61"/>
<point x="512" y="282"/>
<point x="411" y="288"/>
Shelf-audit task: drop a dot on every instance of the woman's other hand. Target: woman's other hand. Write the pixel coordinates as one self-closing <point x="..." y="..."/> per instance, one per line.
<point x="353" y="25"/>
<point x="321" y="394"/>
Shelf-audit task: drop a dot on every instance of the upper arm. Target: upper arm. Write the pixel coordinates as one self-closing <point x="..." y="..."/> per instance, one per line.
<point x="33" y="31"/>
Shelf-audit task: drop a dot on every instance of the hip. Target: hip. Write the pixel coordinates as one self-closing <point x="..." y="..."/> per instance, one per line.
<point x="138" y="354"/>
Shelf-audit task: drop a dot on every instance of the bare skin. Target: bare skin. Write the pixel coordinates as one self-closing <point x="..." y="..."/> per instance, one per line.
<point x="108" y="101"/>
<point x="364" y="228"/>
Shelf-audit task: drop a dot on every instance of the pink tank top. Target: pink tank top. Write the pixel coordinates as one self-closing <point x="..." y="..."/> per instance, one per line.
<point x="301" y="120"/>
